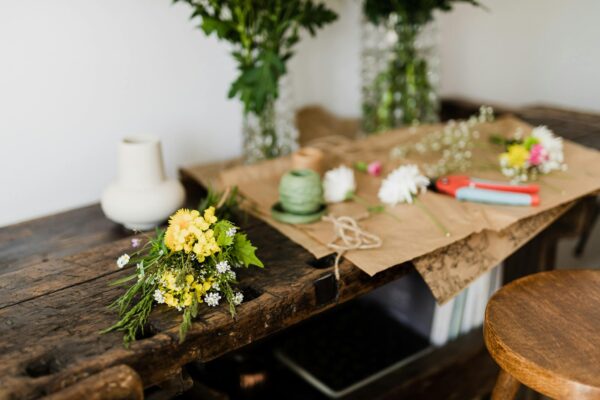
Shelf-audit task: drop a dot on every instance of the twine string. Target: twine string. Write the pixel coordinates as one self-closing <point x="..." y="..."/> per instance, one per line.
<point x="348" y="235"/>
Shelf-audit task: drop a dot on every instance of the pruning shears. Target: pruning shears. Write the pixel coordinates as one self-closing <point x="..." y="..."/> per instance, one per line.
<point x="476" y="190"/>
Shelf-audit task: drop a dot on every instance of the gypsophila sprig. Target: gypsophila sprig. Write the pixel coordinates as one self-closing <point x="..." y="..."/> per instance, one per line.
<point x="186" y="266"/>
<point x="453" y="144"/>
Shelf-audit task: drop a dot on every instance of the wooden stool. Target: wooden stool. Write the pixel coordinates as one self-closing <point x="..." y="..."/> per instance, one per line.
<point x="544" y="331"/>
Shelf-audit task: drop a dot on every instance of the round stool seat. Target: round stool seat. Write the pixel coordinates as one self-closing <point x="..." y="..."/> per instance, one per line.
<point x="544" y="331"/>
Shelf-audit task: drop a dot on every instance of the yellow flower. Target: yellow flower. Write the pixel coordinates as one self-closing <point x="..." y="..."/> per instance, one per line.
<point x="186" y="227"/>
<point x="209" y="215"/>
<point x="170" y="300"/>
<point x="187" y="299"/>
<point x="516" y="156"/>
<point x="206" y="245"/>
<point x="189" y="278"/>
<point x="169" y="280"/>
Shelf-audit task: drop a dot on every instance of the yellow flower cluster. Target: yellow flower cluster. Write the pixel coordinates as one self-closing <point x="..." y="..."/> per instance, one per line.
<point x="516" y="156"/>
<point x="182" y="295"/>
<point x="190" y="232"/>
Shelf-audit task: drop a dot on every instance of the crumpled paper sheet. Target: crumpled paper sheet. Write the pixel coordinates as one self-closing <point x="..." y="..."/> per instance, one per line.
<point x="481" y="235"/>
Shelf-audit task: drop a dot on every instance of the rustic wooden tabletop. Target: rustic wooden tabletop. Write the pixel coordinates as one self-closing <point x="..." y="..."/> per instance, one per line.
<point x="54" y="291"/>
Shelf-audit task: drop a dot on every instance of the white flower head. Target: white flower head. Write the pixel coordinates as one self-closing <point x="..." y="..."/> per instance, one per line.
<point x="231" y="231"/>
<point x="123" y="260"/>
<point x="402" y="184"/>
<point x="222" y="267"/>
<point x="159" y="297"/>
<point x="216" y="286"/>
<point x="338" y="184"/>
<point x="553" y="146"/>
<point x="212" y="299"/>
<point x="238" y="298"/>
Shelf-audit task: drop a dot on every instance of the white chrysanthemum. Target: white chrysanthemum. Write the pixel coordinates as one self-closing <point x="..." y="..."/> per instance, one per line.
<point x="223" y="267"/>
<point x="212" y="299"/>
<point x="159" y="297"/>
<point x="338" y="184"/>
<point x="553" y="146"/>
<point x="238" y="298"/>
<point x="123" y="260"/>
<point x="402" y="184"/>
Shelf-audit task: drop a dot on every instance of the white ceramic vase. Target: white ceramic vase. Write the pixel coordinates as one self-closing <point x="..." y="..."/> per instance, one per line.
<point x="141" y="197"/>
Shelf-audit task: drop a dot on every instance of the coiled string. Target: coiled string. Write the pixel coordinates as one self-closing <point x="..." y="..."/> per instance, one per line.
<point x="349" y="236"/>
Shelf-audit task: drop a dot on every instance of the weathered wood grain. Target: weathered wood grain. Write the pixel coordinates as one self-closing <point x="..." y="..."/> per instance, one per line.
<point x="55" y="236"/>
<point x="66" y="345"/>
<point x="116" y="383"/>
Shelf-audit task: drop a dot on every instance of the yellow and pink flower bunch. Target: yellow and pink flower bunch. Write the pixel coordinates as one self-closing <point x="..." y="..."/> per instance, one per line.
<point x="537" y="154"/>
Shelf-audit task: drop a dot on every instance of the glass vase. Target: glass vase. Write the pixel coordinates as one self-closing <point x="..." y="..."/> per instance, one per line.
<point x="399" y="74"/>
<point x="272" y="133"/>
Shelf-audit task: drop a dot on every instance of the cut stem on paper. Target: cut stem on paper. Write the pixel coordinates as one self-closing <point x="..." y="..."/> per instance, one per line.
<point x="431" y="216"/>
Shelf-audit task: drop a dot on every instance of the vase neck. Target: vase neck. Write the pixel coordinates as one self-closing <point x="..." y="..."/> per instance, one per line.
<point x="140" y="162"/>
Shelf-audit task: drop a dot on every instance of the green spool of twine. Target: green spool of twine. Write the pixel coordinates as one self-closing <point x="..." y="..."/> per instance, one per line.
<point x="300" y="192"/>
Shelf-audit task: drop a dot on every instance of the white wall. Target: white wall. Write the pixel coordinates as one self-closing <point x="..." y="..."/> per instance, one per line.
<point x="524" y="51"/>
<point x="77" y="75"/>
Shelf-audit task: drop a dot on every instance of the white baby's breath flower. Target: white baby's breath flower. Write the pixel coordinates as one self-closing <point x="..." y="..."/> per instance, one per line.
<point x="123" y="260"/>
<point x="216" y="286"/>
<point x="222" y="267"/>
<point x="338" y="184"/>
<point x="231" y="231"/>
<point x="159" y="297"/>
<point x="212" y="299"/>
<point x="238" y="298"/>
<point x="231" y="275"/>
<point x="402" y="184"/>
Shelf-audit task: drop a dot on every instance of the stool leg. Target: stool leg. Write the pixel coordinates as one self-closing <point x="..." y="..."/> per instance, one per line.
<point x="506" y="387"/>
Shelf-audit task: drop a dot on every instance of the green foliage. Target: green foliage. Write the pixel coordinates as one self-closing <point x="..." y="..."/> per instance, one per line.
<point x="222" y="233"/>
<point x="409" y="11"/>
<point x="264" y="33"/>
<point x="244" y="251"/>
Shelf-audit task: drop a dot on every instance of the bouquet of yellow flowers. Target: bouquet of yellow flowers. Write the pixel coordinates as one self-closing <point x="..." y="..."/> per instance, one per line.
<point x="528" y="157"/>
<point x="189" y="264"/>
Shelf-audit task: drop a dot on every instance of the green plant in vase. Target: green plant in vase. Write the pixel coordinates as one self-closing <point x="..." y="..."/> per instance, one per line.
<point x="399" y="85"/>
<point x="264" y="34"/>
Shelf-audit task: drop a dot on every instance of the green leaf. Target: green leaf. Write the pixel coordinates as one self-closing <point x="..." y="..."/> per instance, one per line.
<point x="244" y="251"/>
<point x="213" y="25"/>
<point x="123" y="280"/>
<point x="221" y="229"/>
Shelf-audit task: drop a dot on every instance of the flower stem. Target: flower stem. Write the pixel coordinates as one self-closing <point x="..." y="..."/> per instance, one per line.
<point x="376" y="209"/>
<point x="433" y="218"/>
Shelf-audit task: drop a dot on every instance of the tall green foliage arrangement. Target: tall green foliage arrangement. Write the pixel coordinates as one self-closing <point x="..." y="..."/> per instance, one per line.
<point x="264" y="34"/>
<point x="400" y="91"/>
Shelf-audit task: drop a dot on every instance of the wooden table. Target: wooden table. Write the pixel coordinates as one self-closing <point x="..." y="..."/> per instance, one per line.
<point x="54" y="289"/>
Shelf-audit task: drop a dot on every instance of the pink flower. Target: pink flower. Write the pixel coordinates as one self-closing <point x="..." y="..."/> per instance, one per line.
<point x="135" y="242"/>
<point x="374" y="168"/>
<point x="537" y="155"/>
